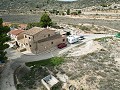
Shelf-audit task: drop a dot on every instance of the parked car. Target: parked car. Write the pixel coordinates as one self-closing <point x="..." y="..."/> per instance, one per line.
<point x="81" y="37"/>
<point x="61" y="45"/>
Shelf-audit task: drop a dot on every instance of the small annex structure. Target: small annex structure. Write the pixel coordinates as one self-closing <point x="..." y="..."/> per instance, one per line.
<point x="22" y="26"/>
<point x="37" y="40"/>
<point x="7" y="24"/>
<point x="49" y="81"/>
<point x="15" y="34"/>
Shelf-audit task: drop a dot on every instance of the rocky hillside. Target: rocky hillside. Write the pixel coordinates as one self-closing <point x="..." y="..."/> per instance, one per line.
<point x="49" y="4"/>
<point x="98" y="70"/>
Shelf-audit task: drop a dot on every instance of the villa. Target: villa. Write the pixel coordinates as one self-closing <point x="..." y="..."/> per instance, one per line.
<point x="37" y="40"/>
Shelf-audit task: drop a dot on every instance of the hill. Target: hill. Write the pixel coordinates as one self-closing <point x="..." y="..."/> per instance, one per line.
<point x="50" y="4"/>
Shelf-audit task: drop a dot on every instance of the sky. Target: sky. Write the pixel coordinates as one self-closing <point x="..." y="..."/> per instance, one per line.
<point x="67" y="0"/>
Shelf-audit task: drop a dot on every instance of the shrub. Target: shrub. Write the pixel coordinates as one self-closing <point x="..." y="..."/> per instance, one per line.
<point x="30" y="25"/>
<point x="48" y="62"/>
<point x="68" y="33"/>
<point x="84" y="28"/>
<point x="19" y="87"/>
<point x="74" y="13"/>
<point x="56" y="61"/>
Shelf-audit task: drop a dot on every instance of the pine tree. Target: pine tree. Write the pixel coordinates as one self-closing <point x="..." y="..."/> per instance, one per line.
<point x="68" y="12"/>
<point x="45" y="21"/>
<point x="3" y="38"/>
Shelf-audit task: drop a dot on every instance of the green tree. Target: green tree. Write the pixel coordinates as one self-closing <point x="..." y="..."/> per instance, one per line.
<point x="63" y="13"/>
<point x="79" y="12"/>
<point x="74" y="13"/>
<point x="45" y="21"/>
<point x="3" y="38"/>
<point x="68" y="33"/>
<point x="68" y="11"/>
<point x="104" y="5"/>
<point x="30" y="25"/>
<point x="1" y="21"/>
<point x="14" y="25"/>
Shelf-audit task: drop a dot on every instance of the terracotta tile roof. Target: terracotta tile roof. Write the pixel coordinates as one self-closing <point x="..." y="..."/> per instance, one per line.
<point x="16" y="32"/>
<point x="23" y="25"/>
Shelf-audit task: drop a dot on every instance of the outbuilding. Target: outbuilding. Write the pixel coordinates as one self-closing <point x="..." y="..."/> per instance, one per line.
<point x="49" y="82"/>
<point x="14" y="34"/>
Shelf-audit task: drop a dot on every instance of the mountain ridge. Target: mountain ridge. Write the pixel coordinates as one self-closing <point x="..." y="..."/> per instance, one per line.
<point x="50" y="4"/>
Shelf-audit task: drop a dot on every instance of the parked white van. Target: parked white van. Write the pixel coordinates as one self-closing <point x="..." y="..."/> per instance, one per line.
<point x="73" y="39"/>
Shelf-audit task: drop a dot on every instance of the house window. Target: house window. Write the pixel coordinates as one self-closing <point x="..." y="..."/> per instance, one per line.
<point x="30" y="45"/>
<point x="25" y="36"/>
<point x="26" y="43"/>
<point x="63" y="40"/>
<point x="48" y="35"/>
<point x="51" y="42"/>
<point x="29" y="37"/>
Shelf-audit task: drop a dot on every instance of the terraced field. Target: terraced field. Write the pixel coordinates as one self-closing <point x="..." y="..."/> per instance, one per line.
<point x="59" y="19"/>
